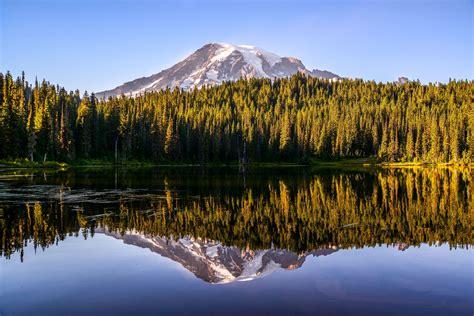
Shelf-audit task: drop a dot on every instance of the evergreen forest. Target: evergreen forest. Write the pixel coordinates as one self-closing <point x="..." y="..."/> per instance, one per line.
<point x="294" y="119"/>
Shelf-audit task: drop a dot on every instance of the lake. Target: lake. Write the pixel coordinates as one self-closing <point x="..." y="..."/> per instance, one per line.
<point x="224" y="241"/>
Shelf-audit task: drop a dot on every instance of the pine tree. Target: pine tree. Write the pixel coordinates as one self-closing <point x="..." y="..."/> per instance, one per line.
<point x="84" y="127"/>
<point x="410" y="145"/>
<point x="170" y="139"/>
<point x="285" y="134"/>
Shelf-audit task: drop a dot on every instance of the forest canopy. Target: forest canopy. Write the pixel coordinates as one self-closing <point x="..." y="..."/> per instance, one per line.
<point x="294" y="119"/>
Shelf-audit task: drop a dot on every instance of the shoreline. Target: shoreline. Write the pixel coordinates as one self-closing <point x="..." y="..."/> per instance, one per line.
<point x="363" y="162"/>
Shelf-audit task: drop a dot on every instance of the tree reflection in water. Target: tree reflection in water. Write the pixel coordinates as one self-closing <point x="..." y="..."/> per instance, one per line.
<point x="301" y="213"/>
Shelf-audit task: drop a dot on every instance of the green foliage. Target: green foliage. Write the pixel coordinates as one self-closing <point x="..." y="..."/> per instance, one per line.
<point x="25" y="163"/>
<point x="257" y="120"/>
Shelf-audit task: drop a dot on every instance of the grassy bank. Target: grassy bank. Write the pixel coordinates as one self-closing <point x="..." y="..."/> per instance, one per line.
<point x="96" y="163"/>
<point x="109" y="163"/>
<point x="380" y="163"/>
<point x="25" y="163"/>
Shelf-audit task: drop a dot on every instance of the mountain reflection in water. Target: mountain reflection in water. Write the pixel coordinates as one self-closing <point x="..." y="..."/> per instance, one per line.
<point x="214" y="263"/>
<point x="153" y="241"/>
<point x="291" y="215"/>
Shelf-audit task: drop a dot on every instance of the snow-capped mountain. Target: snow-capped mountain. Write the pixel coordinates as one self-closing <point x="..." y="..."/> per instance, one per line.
<point x="214" y="263"/>
<point x="214" y="63"/>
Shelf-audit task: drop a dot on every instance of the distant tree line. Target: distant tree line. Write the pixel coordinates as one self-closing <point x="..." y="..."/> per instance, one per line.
<point x="293" y="119"/>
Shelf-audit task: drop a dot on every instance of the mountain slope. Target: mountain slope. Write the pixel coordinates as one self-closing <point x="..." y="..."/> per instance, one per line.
<point x="214" y="63"/>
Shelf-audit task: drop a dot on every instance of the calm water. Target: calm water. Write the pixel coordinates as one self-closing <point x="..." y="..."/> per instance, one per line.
<point x="225" y="241"/>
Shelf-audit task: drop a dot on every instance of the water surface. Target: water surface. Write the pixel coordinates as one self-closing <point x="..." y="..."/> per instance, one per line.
<point x="229" y="241"/>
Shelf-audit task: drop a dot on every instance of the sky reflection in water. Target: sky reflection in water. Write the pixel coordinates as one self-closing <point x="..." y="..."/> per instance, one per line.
<point x="308" y="242"/>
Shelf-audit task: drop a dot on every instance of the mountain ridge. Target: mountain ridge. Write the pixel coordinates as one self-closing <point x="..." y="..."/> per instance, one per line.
<point x="215" y="63"/>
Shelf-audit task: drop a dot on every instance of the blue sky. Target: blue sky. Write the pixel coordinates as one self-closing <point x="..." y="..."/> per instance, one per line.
<point x="96" y="45"/>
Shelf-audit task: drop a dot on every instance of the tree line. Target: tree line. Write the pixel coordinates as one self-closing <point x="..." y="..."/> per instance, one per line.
<point x="294" y="119"/>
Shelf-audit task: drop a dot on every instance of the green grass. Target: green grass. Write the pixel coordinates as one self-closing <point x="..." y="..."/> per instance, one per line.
<point x="103" y="163"/>
<point x="344" y="162"/>
<point x="25" y="163"/>
<point x="165" y="163"/>
<point x="341" y="163"/>
<point x="379" y="163"/>
<point x="411" y="165"/>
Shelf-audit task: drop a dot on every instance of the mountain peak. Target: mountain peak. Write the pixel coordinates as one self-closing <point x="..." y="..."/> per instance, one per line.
<point x="215" y="63"/>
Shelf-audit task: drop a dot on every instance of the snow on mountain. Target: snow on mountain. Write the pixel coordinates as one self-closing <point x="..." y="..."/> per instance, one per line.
<point x="215" y="263"/>
<point x="214" y="63"/>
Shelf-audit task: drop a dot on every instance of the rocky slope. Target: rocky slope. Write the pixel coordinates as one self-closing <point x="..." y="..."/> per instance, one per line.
<point x="214" y="63"/>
